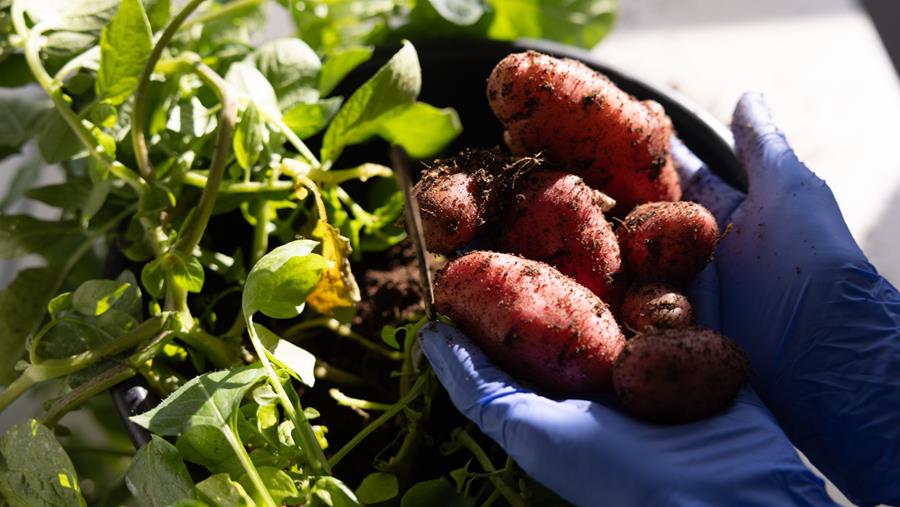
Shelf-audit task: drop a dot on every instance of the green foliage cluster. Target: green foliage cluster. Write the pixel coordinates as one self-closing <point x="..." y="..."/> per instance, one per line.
<point x="169" y="125"/>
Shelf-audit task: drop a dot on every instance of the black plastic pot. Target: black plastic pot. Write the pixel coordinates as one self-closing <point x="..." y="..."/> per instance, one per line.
<point x="454" y="74"/>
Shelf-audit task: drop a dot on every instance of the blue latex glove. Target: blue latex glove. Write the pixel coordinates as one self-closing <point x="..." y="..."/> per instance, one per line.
<point x="820" y="326"/>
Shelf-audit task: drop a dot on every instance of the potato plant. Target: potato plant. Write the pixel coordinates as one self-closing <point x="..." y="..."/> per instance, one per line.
<point x="213" y="210"/>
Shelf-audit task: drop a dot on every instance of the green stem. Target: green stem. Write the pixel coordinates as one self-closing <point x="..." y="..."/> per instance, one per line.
<point x="220" y="353"/>
<point x="54" y="368"/>
<point x="76" y="63"/>
<point x="247" y="464"/>
<point x="138" y="114"/>
<point x="74" y="398"/>
<point x="196" y="226"/>
<point x="12" y="392"/>
<point x="196" y="179"/>
<point x="346" y="401"/>
<point x="221" y="12"/>
<point x="292" y="138"/>
<point x="53" y="89"/>
<point x="342" y="330"/>
<point x="260" y="232"/>
<point x="492" y="499"/>
<point x="413" y="393"/>
<point x="310" y="445"/>
<point x="362" y="173"/>
<point x="406" y="370"/>
<point x="464" y="439"/>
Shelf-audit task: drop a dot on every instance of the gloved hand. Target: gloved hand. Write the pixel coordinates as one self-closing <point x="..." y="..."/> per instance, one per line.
<point x="591" y="454"/>
<point x="821" y="329"/>
<point x="820" y="326"/>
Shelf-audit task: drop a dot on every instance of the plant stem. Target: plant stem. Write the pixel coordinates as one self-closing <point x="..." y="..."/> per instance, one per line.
<point x="221" y="12"/>
<point x="74" y="398"/>
<point x="361" y="172"/>
<point x="220" y="353"/>
<point x="54" y="90"/>
<point x="196" y="226"/>
<point x="196" y="179"/>
<point x="292" y="138"/>
<point x="247" y="464"/>
<point x="138" y="138"/>
<point x="260" y="232"/>
<point x="346" y="401"/>
<point x="464" y="439"/>
<point x="413" y="393"/>
<point x="54" y="368"/>
<point x="407" y="370"/>
<point x="309" y="443"/>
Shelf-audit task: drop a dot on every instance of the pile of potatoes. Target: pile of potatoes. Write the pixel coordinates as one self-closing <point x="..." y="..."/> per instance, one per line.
<point x="573" y="304"/>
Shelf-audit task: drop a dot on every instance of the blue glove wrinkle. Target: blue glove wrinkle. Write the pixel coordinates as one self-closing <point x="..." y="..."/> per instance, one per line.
<point x="592" y="454"/>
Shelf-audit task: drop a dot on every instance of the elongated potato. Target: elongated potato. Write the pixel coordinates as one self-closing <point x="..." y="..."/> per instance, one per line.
<point x="668" y="241"/>
<point x="456" y="196"/>
<point x="655" y="306"/>
<point x="556" y="218"/>
<point x="533" y="321"/>
<point x="679" y="375"/>
<point x="580" y="120"/>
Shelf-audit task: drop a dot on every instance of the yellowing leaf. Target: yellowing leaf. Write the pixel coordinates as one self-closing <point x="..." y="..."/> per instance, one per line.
<point x="337" y="288"/>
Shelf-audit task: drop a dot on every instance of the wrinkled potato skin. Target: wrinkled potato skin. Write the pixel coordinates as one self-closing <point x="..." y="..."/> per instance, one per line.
<point x="534" y="322"/>
<point x="580" y="120"/>
<point x="655" y="306"/>
<point x="679" y="375"/>
<point x="556" y="218"/>
<point x="668" y="241"/>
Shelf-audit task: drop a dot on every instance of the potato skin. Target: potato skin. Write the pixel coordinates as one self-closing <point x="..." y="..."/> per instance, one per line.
<point x="556" y="218"/>
<point x="668" y="241"/>
<point x="456" y="196"/>
<point x="580" y="120"/>
<point x="679" y="375"/>
<point x="536" y="323"/>
<point x="651" y="306"/>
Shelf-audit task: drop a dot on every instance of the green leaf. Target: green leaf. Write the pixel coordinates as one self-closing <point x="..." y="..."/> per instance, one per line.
<point x="578" y="22"/>
<point x="96" y="297"/>
<point x="344" y="23"/>
<point x="26" y="175"/>
<point x="59" y="303"/>
<point x="332" y="492"/>
<point x="158" y="12"/>
<point x="22" y="306"/>
<point x="249" y="137"/>
<point x="378" y="487"/>
<point x="70" y="196"/>
<point x="157" y="477"/>
<point x="291" y="67"/>
<point x="422" y="130"/>
<point x="74" y="25"/>
<point x="254" y="86"/>
<point x="459" y="12"/>
<point x="153" y="278"/>
<point x="435" y="492"/>
<point x="339" y="63"/>
<point x="300" y="363"/>
<point x="21" y="113"/>
<point x="35" y="470"/>
<point x="220" y="491"/>
<point x="125" y="46"/>
<point x="23" y="234"/>
<point x="207" y="446"/>
<point x="57" y="141"/>
<point x="389" y="336"/>
<point x="188" y="273"/>
<point x="277" y="482"/>
<point x="14" y="72"/>
<point x="397" y="83"/>
<point x="205" y="400"/>
<point x="337" y="289"/>
<point x="307" y="120"/>
<point x="280" y="282"/>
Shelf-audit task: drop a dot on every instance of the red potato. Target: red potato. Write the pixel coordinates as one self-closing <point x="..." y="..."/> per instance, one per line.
<point x="580" y="120"/>
<point x="679" y="375"/>
<point x="556" y="218"/>
<point x="655" y="306"/>
<point x="455" y="197"/>
<point x="668" y="241"/>
<point x="533" y="321"/>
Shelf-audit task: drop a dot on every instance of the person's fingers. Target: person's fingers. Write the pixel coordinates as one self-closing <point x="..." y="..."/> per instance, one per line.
<point x="704" y="297"/>
<point x="479" y="389"/>
<point x="700" y="185"/>
<point x="763" y="149"/>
